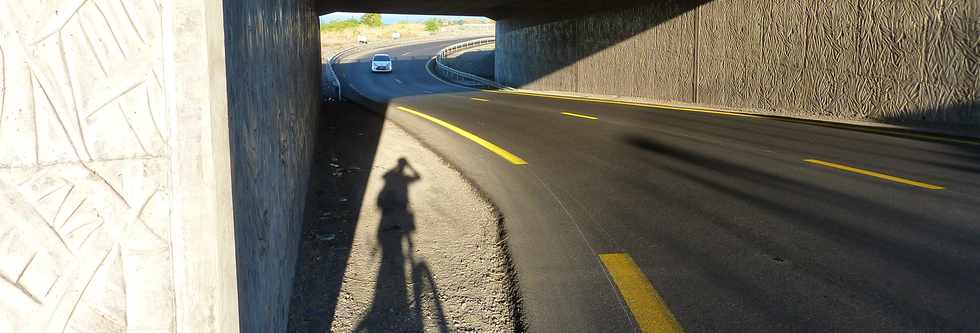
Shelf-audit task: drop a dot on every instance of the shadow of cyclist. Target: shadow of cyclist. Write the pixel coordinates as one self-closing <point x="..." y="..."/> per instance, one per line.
<point x="392" y="309"/>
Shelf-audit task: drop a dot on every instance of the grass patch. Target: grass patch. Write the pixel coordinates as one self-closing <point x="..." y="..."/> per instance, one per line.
<point x="340" y="25"/>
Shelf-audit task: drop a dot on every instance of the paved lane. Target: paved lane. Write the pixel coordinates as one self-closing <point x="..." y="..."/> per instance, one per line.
<point x="738" y="223"/>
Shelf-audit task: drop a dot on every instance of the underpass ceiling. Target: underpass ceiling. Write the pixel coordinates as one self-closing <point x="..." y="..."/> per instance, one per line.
<point x="495" y="9"/>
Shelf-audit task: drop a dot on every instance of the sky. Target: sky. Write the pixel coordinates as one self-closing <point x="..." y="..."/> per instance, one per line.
<point x="388" y="18"/>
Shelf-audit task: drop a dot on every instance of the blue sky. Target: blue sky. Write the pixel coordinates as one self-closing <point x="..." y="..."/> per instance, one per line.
<point x="388" y="18"/>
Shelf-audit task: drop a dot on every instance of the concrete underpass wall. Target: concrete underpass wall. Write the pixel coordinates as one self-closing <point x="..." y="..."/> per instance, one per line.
<point x="893" y="61"/>
<point x="273" y="68"/>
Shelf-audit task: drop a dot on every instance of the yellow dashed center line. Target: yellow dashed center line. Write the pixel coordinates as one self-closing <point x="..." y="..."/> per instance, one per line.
<point x="875" y="174"/>
<point x="579" y="115"/>
<point x="648" y="308"/>
<point x="466" y="134"/>
<point x="479" y="99"/>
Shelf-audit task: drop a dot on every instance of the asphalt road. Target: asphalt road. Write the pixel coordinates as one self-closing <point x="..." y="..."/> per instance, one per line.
<point x="724" y="215"/>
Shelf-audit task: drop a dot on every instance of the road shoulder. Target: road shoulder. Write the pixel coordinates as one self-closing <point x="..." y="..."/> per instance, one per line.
<point x="395" y="239"/>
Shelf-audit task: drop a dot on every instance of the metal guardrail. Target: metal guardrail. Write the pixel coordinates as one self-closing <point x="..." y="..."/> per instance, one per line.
<point x="459" y="76"/>
<point x="335" y="81"/>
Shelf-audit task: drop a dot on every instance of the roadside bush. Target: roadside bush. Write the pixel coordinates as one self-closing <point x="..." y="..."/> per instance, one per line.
<point x="432" y="25"/>
<point x="371" y="20"/>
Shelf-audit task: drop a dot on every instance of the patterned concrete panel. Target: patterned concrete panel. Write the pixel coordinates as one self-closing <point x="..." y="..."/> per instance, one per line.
<point x="124" y="150"/>
<point x="85" y="245"/>
<point x="84" y="168"/>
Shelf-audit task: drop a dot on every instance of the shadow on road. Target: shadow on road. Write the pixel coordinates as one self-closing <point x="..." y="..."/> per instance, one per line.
<point x="344" y="155"/>
<point x="346" y="144"/>
<point x="392" y="309"/>
<point x="873" y="236"/>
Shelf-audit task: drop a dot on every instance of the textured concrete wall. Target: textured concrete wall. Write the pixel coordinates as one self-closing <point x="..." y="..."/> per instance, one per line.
<point x="273" y="70"/>
<point x="118" y="181"/>
<point x="85" y="168"/>
<point x="895" y="61"/>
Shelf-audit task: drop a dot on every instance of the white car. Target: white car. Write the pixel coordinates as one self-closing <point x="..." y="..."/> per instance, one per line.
<point x="381" y="63"/>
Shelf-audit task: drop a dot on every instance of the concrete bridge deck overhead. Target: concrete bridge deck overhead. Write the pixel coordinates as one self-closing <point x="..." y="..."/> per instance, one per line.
<point x="495" y="9"/>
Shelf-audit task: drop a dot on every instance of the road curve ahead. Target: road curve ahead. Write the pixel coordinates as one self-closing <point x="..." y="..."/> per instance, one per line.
<point x="627" y="218"/>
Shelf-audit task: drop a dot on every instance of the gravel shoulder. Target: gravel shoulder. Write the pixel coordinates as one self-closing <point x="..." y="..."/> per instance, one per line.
<point x="395" y="240"/>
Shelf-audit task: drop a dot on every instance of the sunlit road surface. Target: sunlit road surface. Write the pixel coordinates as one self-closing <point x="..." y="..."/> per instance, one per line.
<point x="624" y="217"/>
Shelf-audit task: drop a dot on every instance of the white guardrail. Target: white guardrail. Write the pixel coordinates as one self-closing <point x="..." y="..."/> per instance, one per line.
<point x="459" y="76"/>
<point x="443" y="69"/>
<point x="332" y="75"/>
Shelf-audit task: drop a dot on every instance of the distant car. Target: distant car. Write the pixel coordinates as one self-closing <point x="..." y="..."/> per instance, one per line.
<point x="362" y="39"/>
<point x="396" y="35"/>
<point x="381" y="63"/>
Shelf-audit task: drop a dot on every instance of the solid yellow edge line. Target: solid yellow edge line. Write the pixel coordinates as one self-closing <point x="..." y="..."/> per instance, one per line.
<point x="738" y="114"/>
<point x="486" y="144"/>
<point x="875" y="174"/>
<point x="579" y="115"/>
<point x="648" y="308"/>
<point x="479" y="99"/>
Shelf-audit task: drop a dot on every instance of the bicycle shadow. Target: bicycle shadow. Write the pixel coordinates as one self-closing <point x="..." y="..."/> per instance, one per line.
<point x="392" y="309"/>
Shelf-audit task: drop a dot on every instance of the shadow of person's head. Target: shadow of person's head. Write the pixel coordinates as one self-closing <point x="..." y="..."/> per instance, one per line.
<point x="402" y="170"/>
<point x="394" y="194"/>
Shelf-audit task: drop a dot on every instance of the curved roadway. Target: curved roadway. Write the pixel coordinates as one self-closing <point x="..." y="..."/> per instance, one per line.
<point x="740" y="223"/>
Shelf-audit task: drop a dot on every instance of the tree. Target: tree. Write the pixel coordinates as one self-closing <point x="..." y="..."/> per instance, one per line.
<point x="432" y="25"/>
<point x="371" y="20"/>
